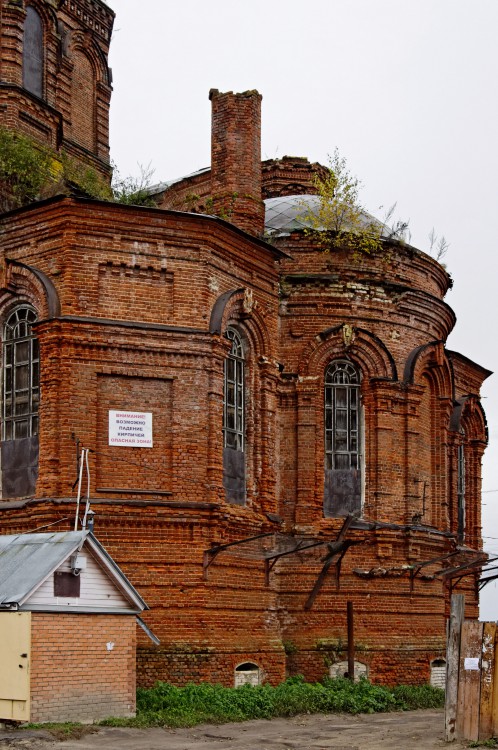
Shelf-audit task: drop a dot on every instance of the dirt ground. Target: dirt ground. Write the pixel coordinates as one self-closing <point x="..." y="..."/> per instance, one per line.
<point x="412" y="730"/>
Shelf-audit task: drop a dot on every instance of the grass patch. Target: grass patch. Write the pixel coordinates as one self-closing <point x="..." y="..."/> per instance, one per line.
<point x="68" y="730"/>
<point x="167" y="705"/>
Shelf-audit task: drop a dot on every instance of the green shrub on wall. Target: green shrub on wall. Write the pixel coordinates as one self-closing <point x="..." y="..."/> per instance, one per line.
<point x="30" y="172"/>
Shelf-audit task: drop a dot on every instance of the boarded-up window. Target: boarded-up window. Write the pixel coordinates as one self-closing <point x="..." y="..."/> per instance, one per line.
<point x="66" y="584"/>
<point x="32" y="55"/>
<point x="342" y="487"/>
<point x="234" y="480"/>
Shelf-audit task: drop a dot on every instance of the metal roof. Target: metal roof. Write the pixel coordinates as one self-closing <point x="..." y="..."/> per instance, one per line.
<point x="289" y="213"/>
<point x="27" y="560"/>
<point x="160" y="187"/>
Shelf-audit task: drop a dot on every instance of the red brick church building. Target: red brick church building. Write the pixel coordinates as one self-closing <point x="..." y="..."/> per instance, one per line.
<point x="275" y="430"/>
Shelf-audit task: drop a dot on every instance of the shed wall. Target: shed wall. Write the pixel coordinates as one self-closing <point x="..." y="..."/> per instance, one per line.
<point x="74" y="677"/>
<point x="97" y="590"/>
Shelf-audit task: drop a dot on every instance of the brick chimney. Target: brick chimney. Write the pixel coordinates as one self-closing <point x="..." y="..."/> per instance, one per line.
<point x="236" y="159"/>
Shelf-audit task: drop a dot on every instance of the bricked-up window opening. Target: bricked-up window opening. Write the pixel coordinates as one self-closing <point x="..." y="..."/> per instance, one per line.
<point x="342" y="494"/>
<point x="461" y="488"/>
<point x="438" y="673"/>
<point x="234" y="420"/>
<point x="32" y="56"/>
<point x="21" y="376"/>
<point x="341" y="669"/>
<point x="247" y="674"/>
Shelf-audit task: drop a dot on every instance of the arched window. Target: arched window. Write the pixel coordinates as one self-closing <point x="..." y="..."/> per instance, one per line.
<point x="233" y="402"/>
<point x="342" y="439"/>
<point x="83" y="125"/>
<point x="21" y="376"/>
<point x="234" y="420"/>
<point x="32" y="55"/>
<point x="461" y="487"/>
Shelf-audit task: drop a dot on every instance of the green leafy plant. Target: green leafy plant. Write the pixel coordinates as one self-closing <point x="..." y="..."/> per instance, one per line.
<point x="25" y="170"/>
<point x="167" y="705"/>
<point x="133" y="190"/>
<point x="31" y="172"/>
<point x="289" y="647"/>
<point x="339" y="220"/>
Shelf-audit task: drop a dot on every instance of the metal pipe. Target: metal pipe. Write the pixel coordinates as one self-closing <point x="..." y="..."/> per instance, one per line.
<point x="350" y="641"/>
<point x="78" y="498"/>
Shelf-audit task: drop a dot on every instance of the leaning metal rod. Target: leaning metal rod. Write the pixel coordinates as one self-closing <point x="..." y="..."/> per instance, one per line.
<point x="87" y="504"/>
<point x="78" y="495"/>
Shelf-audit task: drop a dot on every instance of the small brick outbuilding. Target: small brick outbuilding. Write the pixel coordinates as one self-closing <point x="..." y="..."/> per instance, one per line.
<point x="67" y="630"/>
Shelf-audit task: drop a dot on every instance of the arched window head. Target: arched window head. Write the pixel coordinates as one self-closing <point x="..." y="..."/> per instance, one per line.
<point x="233" y="396"/>
<point x="21" y="376"/>
<point x="342" y="439"/>
<point x="32" y="55"/>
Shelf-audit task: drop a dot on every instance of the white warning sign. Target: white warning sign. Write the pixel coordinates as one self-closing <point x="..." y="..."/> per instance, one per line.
<point x="131" y="429"/>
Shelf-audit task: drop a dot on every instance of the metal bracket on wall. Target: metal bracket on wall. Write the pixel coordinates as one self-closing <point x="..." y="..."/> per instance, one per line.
<point x="210" y="555"/>
<point x="461" y="571"/>
<point x="418" y="566"/>
<point x="337" y="548"/>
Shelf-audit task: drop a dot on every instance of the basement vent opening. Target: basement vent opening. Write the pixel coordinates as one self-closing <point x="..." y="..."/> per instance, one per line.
<point x="340" y="669"/>
<point x="247" y="673"/>
<point x="438" y="673"/>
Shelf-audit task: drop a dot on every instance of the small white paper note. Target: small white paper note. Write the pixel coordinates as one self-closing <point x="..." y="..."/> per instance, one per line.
<point x="471" y="663"/>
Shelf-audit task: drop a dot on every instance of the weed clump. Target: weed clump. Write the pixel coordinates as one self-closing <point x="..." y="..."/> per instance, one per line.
<point x="167" y="705"/>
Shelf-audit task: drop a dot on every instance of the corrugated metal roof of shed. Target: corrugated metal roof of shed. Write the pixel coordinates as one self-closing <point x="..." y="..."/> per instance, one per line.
<point x="27" y="560"/>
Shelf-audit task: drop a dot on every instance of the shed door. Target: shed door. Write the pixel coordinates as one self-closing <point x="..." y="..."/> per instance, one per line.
<point x="15" y="659"/>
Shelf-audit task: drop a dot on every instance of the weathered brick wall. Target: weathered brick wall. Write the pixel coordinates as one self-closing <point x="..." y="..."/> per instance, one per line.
<point x="133" y="307"/>
<point x="73" y="112"/>
<point x="74" y="677"/>
<point x="137" y="330"/>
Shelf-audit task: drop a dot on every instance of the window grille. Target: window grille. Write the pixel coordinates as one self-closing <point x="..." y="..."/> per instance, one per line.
<point x="233" y="394"/>
<point x="342" y="416"/>
<point x="21" y="376"/>
<point x="461" y="488"/>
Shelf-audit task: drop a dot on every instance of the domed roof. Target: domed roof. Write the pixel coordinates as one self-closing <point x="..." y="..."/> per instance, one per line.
<point x="289" y="212"/>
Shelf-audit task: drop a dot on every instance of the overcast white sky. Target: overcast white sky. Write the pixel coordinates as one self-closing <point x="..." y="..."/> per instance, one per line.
<point x="407" y="91"/>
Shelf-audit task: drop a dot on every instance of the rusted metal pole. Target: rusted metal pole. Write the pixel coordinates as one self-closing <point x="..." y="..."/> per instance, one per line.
<point x="350" y="641"/>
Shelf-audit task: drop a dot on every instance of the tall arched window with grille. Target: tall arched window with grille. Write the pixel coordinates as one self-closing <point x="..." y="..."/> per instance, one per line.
<point x="32" y="55"/>
<point x="342" y="417"/>
<point x="20" y="401"/>
<point x="234" y="420"/>
<point x="461" y="487"/>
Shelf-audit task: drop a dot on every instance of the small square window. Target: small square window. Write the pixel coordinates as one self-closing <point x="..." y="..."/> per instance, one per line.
<point x="66" y="584"/>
